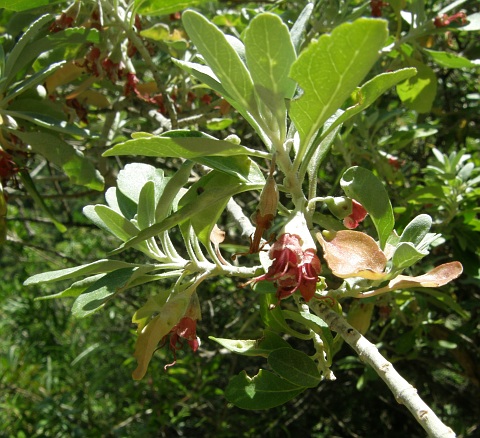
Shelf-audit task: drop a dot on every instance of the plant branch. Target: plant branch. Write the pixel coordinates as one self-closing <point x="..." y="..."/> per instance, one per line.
<point x="403" y="391"/>
<point x="142" y="49"/>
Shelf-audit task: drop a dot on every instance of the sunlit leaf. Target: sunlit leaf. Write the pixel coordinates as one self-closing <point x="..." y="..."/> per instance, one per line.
<point x="363" y="186"/>
<point x="437" y="277"/>
<point x="254" y="347"/>
<point x="419" y="91"/>
<point x="164" y="7"/>
<point x="353" y="254"/>
<point x="100" y="266"/>
<point x="329" y="70"/>
<point x="221" y="56"/>
<point x="151" y="334"/>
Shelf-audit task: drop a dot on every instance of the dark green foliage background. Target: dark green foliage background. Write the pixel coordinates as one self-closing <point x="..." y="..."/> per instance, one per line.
<point x="60" y="376"/>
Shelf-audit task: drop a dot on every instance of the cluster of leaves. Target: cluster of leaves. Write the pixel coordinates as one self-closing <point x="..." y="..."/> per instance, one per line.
<point x="258" y="76"/>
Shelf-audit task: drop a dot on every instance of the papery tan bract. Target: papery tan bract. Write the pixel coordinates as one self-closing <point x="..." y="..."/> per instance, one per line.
<point x="353" y="254"/>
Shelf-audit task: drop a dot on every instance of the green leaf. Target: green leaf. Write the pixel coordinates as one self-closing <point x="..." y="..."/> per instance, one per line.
<point x="417" y="229"/>
<point x="272" y="315"/>
<point x="257" y="347"/>
<point x="48" y="122"/>
<point x="211" y="184"/>
<point x="111" y="221"/>
<point x="172" y="190"/>
<point x="201" y="203"/>
<point x="295" y="366"/>
<point x="77" y="288"/>
<point x="363" y="186"/>
<point x="263" y="391"/>
<point x="176" y="147"/>
<point x="330" y="69"/>
<point x="79" y="169"/>
<point x="133" y="177"/>
<point x="236" y="166"/>
<point x="100" y="292"/>
<point x="222" y="57"/>
<point x="203" y="73"/>
<point x="450" y="60"/>
<point x="418" y="92"/>
<point x="406" y="255"/>
<point x="164" y="7"/>
<point x="24" y="5"/>
<point x="298" y="29"/>
<point x="29" y="35"/>
<point x="219" y="123"/>
<point x="100" y="266"/>
<point x="270" y="54"/>
<point x="369" y="92"/>
<point x="32" y="81"/>
<point x="146" y="205"/>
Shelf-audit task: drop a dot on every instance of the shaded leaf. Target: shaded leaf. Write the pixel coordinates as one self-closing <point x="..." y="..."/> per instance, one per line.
<point x="263" y="391"/>
<point x="450" y="60"/>
<point x="98" y="293"/>
<point x="295" y="366"/>
<point x="78" y="168"/>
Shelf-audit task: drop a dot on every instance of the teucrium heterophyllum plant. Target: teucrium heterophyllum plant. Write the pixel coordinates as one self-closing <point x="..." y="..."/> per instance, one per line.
<point x="292" y="93"/>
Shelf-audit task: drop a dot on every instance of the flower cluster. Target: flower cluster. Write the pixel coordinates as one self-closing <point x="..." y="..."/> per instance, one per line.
<point x="293" y="268"/>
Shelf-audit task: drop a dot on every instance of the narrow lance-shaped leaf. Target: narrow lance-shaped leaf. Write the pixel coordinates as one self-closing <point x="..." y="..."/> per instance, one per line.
<point x="100" y="266"/>
<point x="78" y="168"/>
<point x="270" y="55"/>
<point x="221" y="56"/>
<point x="329" y="70"/>
<point x="29" y="35"/>
<point x="98" y="293"/>
<point x="176" y="147"/>
<point x="189" y="210"/>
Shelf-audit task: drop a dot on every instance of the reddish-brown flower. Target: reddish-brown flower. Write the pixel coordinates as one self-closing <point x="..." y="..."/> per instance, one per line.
<point x="357" y="215"/>
<point x="185" y="329"/>
<point x="445" y="20"/>
<point x="293" y="268"/>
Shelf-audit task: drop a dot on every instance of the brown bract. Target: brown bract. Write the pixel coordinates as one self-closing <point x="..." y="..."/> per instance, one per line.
<point x="353" y="254"/>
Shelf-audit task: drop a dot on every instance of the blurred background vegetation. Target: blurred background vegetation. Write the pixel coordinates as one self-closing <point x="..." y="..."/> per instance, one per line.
<point x="61" y="376"/>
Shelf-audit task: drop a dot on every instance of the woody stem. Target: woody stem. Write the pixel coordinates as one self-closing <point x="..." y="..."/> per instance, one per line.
<point x="403" y="391"/>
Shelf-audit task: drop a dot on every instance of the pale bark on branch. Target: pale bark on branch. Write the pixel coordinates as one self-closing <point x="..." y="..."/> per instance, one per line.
<point x="403" y="391"/>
